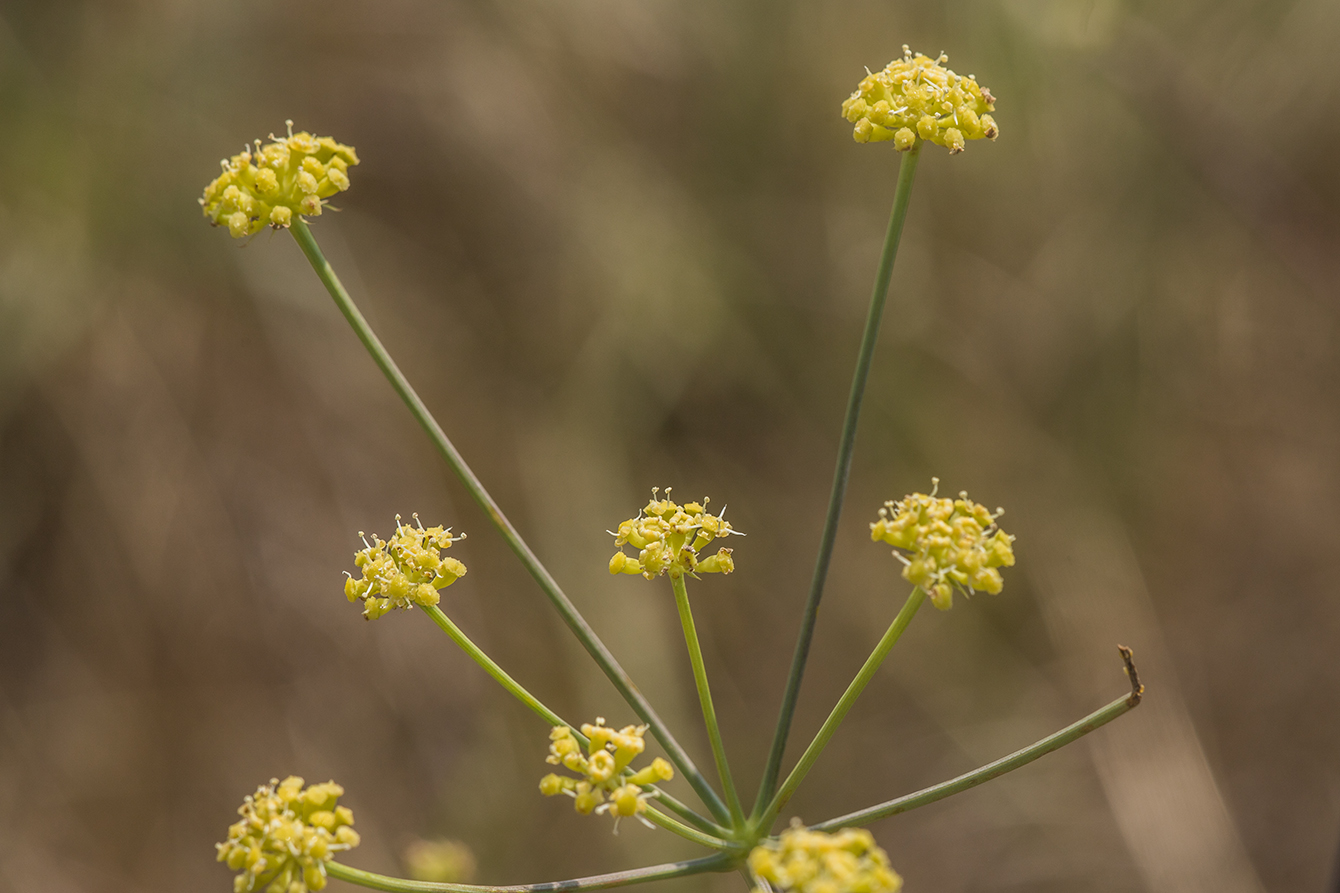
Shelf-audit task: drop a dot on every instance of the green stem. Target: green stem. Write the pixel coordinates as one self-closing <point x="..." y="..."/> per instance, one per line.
<point x="716" y="862"/>
<point x="669" y="824"/>
<point x="844" y="704"/>
<point x="454" y="633"/>
<point x="705" y="697"/>
<point x="580" y="628"/>
<point x="986" y="773"/>
<point x="684" y="812"/>
<point x="845" y="446"/>
<point x="549" y="716"/>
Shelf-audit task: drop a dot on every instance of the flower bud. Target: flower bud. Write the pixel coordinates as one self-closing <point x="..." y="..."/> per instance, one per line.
<point x="553" y="784"/>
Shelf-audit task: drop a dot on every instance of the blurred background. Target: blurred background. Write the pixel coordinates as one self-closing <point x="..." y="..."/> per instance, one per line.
<point x="620" y="245"/>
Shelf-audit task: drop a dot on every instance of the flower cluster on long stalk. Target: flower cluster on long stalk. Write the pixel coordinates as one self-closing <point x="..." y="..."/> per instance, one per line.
<point x="953" y="543"/>
<point x="267" y="185"/>
<point x="406" y="570"/>
<point x="289" y="837"/>
<point x="605" y="785"/>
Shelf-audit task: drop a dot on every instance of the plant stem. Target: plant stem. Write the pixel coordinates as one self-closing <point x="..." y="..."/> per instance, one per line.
<point x="705" y="697"/>
<point x="844" y="704"/>
<point x="454" y="633"/>
<point x="580" y="628"/>
<point x="549" y="716"/>
<point x="716" y="862"/>
<point x="846" y="444"/>
<point x="688" y="833"/>
<point x="986" y="773"/>
<point x="685" y="812"/>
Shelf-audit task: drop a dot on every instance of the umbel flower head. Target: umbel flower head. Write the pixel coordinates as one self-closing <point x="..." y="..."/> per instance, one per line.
<point x="954" y="543"/>
<point x="266" y="185"/>
<point x="671" y="537"/>
<point x="916" y="97"/>
<point x="804" y="861"/>
<point x="407" y="570"/>
<point x="606" y="784"/>
<point x="285" y="836"/>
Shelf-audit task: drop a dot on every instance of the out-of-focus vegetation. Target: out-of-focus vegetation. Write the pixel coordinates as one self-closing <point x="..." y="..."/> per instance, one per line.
<point x="624" y="244"/>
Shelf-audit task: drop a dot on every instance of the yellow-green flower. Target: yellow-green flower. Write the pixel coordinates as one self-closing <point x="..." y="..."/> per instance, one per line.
<point x="266" y="185"/>
<point x="804" y="861"/>
<point x="408" y="570"/>
<point x="607" y="784"/>
<point x="671" y="538"/>
<point x="953" y="543"/>
<point x="440" y="861"/>
<point x="916" y="97"/>
<point x="286" y="835"/>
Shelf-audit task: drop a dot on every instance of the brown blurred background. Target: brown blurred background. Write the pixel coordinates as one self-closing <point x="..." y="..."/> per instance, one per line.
<point x="627" y="243"/>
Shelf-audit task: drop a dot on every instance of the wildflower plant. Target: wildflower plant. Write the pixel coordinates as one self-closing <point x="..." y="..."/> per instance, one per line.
<point x="290" y="838"/>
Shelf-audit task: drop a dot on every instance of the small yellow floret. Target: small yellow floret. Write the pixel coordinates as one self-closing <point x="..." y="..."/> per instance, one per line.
<point x="604" y="769"/>
<point x="671" y="538"/>
<point x="408" y="570"/>
<point x="953" y="544"/>
<point x="286" y="835"/>
<point x="804" y="861"/>
<point x="267" y="185"/>
<point x="917" y="93"/>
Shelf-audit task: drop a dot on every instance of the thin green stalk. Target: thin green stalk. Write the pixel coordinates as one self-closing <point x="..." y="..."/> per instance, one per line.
<point x="580" y="628"/>
<point x="707" y="840"/>
<point x="716" y="862"/>
<point x="684" y="812"/>
<point x="844" y="704"/>
<point x="460" y="638"/>
<point x="705" y="697"/>
<point x="846" y="444"/>
<point x="986" y="773"/>
<point x="519" y="692"/>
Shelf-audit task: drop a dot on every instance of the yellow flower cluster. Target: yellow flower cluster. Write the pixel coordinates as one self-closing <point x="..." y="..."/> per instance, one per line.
<point x="671" y="537"/>
<point x="286" y="835"/>
<point x="408" y="570"/>
<point x="267" y="186"/>
<point x="604" y="769"/>
<point x="916" y="96"/>
<point x="804" y="861"/>
<point x="955" y="543"/>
